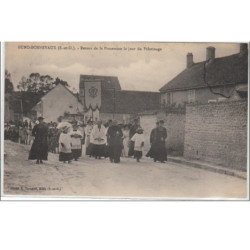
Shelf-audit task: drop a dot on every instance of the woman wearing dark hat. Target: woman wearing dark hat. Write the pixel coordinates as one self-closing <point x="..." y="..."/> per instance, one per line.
<point x="158" y="149"/>
<point x="39" y="148"/>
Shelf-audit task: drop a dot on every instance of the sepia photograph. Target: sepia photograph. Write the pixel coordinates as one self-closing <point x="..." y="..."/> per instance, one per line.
<point x="125" y="120"/>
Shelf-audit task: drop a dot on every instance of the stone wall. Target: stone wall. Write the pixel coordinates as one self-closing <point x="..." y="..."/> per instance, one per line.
<point x="147" y="122"/>
<point x="217" y="133"/>
<point x="175" y="125"/>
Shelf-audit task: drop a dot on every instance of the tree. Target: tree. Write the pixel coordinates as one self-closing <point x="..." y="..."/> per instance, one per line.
<point x="37" y="83"/>
<point x="8" y="83"/>
<point x="60" y="81"/>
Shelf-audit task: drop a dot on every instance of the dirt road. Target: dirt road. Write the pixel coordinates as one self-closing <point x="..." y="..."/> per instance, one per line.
<point x="89" y="177"/>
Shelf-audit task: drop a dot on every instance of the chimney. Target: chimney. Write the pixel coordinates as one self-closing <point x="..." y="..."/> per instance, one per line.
<point x="190" y="61"/>
<point x="210" y="53"/>
<point x="243" y="49"/>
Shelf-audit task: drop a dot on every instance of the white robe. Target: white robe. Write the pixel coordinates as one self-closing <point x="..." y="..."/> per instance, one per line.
<point x="76" y="142"/>
<point x="138" y="139"/>
<point x="125" y="142"/>
<point x="98" y="135"/>
<point x="66" y="140"/>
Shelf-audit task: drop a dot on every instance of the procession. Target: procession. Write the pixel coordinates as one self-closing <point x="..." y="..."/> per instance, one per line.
<point x="72" y="141"/>
<point x="126" y="130"/>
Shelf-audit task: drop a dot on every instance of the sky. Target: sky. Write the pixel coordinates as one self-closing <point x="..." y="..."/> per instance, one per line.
<point x="138" y="66"/>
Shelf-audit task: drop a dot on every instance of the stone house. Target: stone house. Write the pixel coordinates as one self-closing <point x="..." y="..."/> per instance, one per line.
<point x="58" y="102"/>
<point x="213" y="80"/>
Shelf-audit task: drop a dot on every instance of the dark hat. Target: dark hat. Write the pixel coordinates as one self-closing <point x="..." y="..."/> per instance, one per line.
<point x="40" y="118"/>
<point x="161" y="121"/>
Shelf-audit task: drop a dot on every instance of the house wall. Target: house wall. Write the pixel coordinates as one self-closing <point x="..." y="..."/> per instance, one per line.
<point x="175" y="125"/>
<point x="147" y="122"/>
<point x="202" y="95"/>
<point x="217" y="133"/>
<point x="120" y="118"/>
<point x="57" y="102"/>
<point x="180" y="97"/>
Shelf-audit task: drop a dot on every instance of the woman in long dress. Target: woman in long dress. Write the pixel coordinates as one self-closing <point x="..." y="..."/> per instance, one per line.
<point x="65" y="152"/>
<point x="98" y="136"/>
<point x="158" y="149"/>
<point x="125" y="133"/>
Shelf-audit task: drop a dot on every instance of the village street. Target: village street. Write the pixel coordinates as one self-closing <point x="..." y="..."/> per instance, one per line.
<point x="90" y="177"/>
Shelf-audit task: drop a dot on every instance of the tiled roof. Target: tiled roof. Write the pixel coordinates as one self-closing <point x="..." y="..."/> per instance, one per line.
<point x="129" y="102"/>
<point x="29" y="100"/>
<point x="108" y="82"/>
<point x="221" y="71"/>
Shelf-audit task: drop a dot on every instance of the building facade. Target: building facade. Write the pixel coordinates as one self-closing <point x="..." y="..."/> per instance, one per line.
<point x="216" y="79"/>
<point x="58" y="102"/>
<point x="103" y="98"/>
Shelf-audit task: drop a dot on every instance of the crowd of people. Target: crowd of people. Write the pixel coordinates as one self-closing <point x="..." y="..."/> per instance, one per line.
<point x="93" y="139"/>
<point x="18" y="132"/>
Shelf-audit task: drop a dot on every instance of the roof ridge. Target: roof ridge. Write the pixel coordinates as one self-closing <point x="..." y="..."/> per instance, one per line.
<point x="235" y="69"/>
<point x="137" y="91"/>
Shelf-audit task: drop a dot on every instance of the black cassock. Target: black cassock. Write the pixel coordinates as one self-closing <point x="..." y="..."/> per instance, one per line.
<point x="115" y="145"/>
<point x="158" y="149"/>
<point x="39" y="148"/>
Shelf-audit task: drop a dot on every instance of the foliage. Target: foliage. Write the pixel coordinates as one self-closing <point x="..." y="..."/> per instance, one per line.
<point x="37" y="83"/>
<point x="8" y="83"/>
<point x="60" y="81"/>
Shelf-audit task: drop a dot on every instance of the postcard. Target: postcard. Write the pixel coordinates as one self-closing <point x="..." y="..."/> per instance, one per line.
<point x="125" y="120"/>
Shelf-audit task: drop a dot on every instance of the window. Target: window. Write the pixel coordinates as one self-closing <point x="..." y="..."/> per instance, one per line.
<point x="163" y="103"/>
<point x="169" y="98"/>
<point x="191" y="95"/>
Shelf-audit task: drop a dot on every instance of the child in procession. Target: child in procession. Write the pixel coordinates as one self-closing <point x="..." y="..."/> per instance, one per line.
<point x="138" y="139"/>
<point x="65" y="145"/>
<point x="76" y="142"/>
